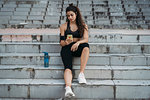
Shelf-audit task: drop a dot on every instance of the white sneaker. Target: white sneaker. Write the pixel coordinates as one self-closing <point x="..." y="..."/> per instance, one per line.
<point x="69" y="93"/>
<point x="81" y="78"/>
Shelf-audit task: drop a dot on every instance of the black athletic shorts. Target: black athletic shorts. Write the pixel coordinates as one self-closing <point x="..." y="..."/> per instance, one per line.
<point x="67" y="54"/>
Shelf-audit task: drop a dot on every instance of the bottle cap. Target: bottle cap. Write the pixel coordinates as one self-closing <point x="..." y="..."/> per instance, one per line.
<point x="46" y="53"/>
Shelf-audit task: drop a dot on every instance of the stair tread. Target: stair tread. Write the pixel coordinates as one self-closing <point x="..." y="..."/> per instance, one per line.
<point x="130" y="67"/>
<point x="50" y="67"/>
<point x="58" y="54"/>
<point x="107" y="67"/>
<point x="57" y="43"/>
<point x="56" y="31"/>
<point x="75" y="82"/>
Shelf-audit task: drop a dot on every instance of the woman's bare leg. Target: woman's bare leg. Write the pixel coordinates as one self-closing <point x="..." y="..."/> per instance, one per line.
<point x="68" y="77"/>
<point x="68" y="81"/>
<point x="84" y="59"/>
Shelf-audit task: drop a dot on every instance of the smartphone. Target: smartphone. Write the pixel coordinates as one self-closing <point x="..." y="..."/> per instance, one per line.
<point x="70" y="37"/>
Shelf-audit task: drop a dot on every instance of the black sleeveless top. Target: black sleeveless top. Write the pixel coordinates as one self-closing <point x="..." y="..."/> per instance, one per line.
<point x="75" y="34"/>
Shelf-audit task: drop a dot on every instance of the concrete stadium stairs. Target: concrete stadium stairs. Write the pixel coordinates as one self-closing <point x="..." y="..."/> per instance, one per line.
<point x="118" y="67"/>
<point x="105" y="14"/>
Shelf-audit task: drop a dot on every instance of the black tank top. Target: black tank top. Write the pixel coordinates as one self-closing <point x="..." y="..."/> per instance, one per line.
<point x="75" y="34"/>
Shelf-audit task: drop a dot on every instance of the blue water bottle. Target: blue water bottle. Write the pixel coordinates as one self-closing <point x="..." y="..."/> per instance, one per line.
<point x="46" y="59"/>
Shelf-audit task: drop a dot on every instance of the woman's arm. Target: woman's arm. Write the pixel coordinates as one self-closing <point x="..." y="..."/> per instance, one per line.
<point x="62" y="33"/>
<point x="62" y="30"/>
<point x="84" y="40"/>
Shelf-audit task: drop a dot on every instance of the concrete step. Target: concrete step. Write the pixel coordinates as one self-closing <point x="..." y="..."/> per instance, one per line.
<point x="94" y="89"/>
<point x="118" y="66"/>
<point x="94" y="59"/>
<point x="102" y="38"/>
<point x="54" y="99"/>
<point x="56" y="9"/>
<point x="39" y="47"/>
<point x="95" y="35"/>
<point x="52" y="72"/>
<point x="57" y="72"/>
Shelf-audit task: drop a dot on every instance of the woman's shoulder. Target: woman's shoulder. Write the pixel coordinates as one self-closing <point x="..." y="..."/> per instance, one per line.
<point x="63" y="26"/>
<point x="86" y="26"/>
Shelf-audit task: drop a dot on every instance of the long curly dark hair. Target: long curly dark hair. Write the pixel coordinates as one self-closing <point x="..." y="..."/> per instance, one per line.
<point x="79" y="21"/>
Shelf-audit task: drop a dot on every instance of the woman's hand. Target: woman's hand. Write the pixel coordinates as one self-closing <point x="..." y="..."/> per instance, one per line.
<point x="68" y="41"/>
<point x="74" y="46"/>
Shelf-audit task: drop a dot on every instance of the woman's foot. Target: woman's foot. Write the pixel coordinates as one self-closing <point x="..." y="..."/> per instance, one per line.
<point x="69" y="93"/>
<point x="81" y="78"/>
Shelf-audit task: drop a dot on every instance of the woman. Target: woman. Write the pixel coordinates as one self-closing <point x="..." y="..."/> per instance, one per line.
<point x="75" y="45"/>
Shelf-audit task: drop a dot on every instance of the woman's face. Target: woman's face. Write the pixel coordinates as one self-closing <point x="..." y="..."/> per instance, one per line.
<point x="71" y="16"/>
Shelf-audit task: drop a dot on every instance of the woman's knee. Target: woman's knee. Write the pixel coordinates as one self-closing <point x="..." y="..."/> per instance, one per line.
<point x="86" y="49"/>
<point x="68" y="69"/>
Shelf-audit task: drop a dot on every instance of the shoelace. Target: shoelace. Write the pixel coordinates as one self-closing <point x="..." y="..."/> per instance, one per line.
<point x="81" y="75"/>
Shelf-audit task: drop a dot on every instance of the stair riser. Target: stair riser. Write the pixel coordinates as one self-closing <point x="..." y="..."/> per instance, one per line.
<point x="105" y="38"/>
<point x="102" y="74"/>
<point x="29" y="91"/>
<point x="52" y="91"/>
<point x="135" y="74"/>
<point x="13" y="91"/>
<point x="97" y="60"/>
<point x="116" y="38"/>
<point x="133" y="92"/>
<point x="56" y="48"/>
<point x="29" y="48"/>
<point x="52" y="74"/>
<point x="119" y="49"/>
